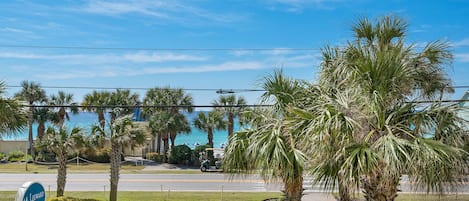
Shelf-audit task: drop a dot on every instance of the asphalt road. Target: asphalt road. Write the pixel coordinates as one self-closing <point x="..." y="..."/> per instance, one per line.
<point x="162" y="182"/>
<point x="142" y="182"/>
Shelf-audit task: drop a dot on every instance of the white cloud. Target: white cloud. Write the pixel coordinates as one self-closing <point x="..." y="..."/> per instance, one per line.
<point x="154" y="57"/>
<point x="464" y="57"/>
<point x="121" y="71"/>
<point x="140" y="57"/>
<point x="118" y="8"/>
<point x="14" y="30"/>
<point x="299" y="5"/>
<point x="463" y="42"/>
<point x="169" y="10"/>
<point x="239" y="53"/>
<point x="277" y="51"/>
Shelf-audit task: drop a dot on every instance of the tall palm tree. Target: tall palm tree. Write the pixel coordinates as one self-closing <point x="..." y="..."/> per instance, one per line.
<point x="12" y="116"/>
<point x="62" y="100"/>
<point x="268" y="144"/>
<point x="173" y="101"/>
<point x="100" y="100"/>
<point x="60" y="140"/>
<point x="231" y="107"/>
<point x="42" y="116"/>
<point x="121" y="133"/>
<point x="364" y="129"/>
<point x="160" y="125"/>
<point x="210" y="122"/>
<point x="32" y="93"/>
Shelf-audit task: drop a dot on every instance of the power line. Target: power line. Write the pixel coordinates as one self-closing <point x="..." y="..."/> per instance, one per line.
<point x="219" y="90"/>
<point x="146" y="106"/>
<point x="155" y="49"/>
<point x="206" y="106"/>
<point x="165" y="49"/>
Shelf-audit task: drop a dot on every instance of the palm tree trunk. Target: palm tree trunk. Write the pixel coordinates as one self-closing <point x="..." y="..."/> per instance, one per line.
<point x="230" y="124"/>
<point x="115" y="166"/>
<point x="30" y="132"/>
<point x="101" y="120"/>
<point x="293" y="189"/>
<point x="172" y="136"/>
<point x="165" y="148"/>
<point x="41" y="128"/>
<point x="210" y="137"/>
<point x="377" y="187"/>
<point x="344" y="192"/>
<point x="158" y="143"/>
<point x="61" y="174"/>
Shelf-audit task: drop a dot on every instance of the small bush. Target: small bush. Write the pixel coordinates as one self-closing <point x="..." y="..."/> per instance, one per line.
<point x="2" y="155"/>
<point x="200" y="149"/>
<point x="96" y="155"/>
<point x="154" y="156"/>
<point x="70" y="199"/>
<point x="180" y="154"/>
<point x="16" y="156"/>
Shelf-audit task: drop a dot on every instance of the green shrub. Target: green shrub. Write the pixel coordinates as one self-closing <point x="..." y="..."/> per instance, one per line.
<point x="95" y="155"/>
<point x="70" y="199"/>
<point x="154" y="156"/>
<point x="15" y="156"/>
<point x="180" y="154"/>
<point x="200" y="149"/>
<point x="2" y="155"/>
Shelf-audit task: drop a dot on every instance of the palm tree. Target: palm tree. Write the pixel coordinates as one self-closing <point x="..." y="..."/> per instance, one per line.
<point x="364" y="129"/>
<point x="232" y="107"/>
<point x="210" y="122"/>
<point x="98" y="99"/>
<point x="41" y="116"/>
<point x="32" y="93"/>
<point x="122" y="133"/>
<point x="61" y="141"/>
<point x="173" y="101"/>
<point x="268" y="144"/>
<point x="12" y="116"/>
<point x="62" y="100"/>
<point x="160" y="125"/>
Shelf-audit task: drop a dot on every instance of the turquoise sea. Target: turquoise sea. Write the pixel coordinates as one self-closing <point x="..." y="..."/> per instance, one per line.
<point x="86" y="120"/>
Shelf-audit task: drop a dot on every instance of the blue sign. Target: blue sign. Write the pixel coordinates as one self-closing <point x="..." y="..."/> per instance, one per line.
<point x="31" y="191"/>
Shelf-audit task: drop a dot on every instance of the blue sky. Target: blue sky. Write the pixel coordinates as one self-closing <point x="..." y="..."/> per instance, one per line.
<point x="250" y="38"/>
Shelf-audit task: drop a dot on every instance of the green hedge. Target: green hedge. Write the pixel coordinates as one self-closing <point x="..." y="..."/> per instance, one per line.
<point x="180" y="154"/>
<point x="154" y="156"/>
<point x="16" y="156"/>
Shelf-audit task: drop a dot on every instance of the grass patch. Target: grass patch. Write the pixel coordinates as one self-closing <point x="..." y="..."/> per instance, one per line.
<point x="213" y="196"/>
<point x="425" y="197"/>
<point x="151" y="196"/>
<point x="89" y="168"/>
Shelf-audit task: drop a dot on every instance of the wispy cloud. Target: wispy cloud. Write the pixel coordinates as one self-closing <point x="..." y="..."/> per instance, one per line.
<point x="14" y="30"/>
<point x="299" y="5"/>
<point x="158" y="57"/>
<point x="174" y="11"/>
<point x="116" y="71"/>
<point x="464" y="57"/>
<point x="463" y="42"/>
<point x="139" y="57"/>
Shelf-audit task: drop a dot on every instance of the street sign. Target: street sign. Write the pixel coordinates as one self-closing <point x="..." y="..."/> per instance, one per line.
<point x="31" y="191"/>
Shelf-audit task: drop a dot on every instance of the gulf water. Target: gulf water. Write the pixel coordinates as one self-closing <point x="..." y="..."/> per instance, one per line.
<point x="86" y="120"/>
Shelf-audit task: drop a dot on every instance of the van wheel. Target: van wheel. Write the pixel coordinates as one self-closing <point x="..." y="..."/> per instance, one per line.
<point x="203" y="169"/>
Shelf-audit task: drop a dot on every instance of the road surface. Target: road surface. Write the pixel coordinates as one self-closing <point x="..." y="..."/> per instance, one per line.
<point x="162" y="182"/>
